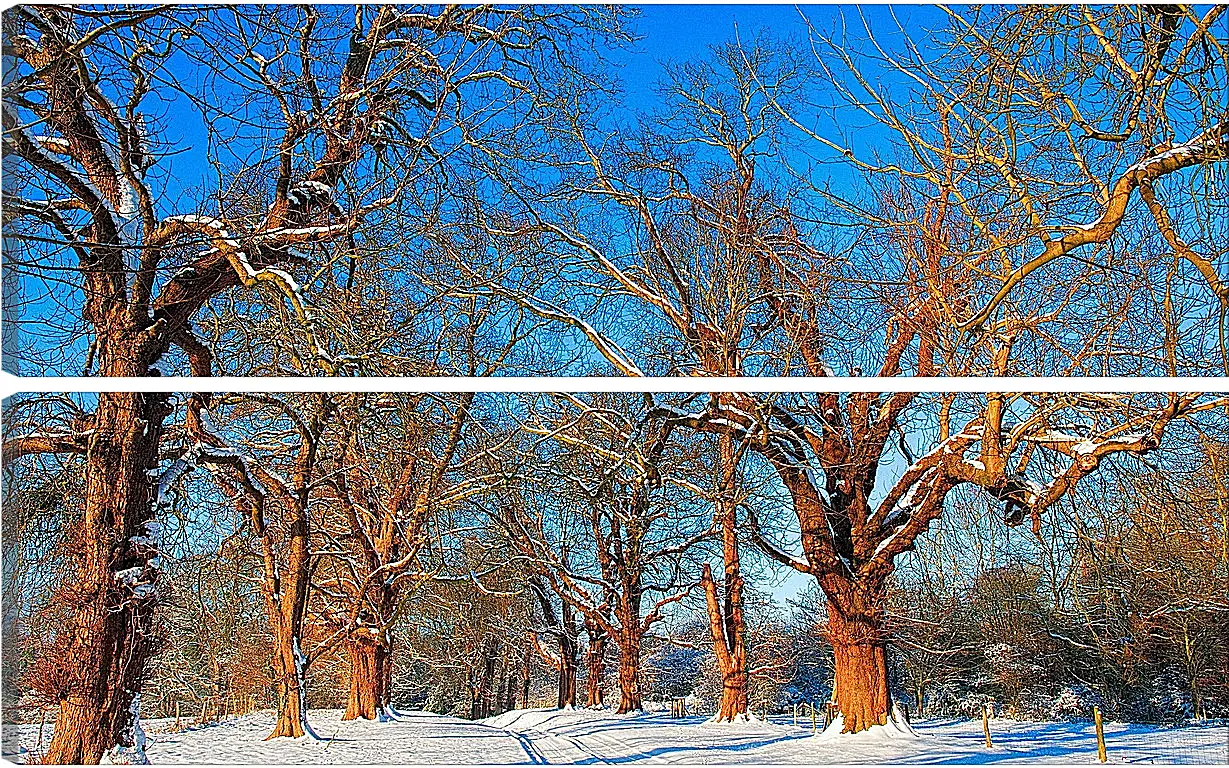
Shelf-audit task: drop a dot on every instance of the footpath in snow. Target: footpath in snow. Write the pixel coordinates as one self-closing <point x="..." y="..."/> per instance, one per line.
<point x="584" y="737"/>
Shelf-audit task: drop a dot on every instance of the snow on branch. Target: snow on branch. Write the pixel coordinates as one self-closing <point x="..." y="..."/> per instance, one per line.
<point x="1208" y="146"/>
<point x="772" y="549"/>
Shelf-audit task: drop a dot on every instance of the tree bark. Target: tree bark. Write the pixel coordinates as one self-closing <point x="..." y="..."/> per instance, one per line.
<point x="855" y="629"/>
<point x="112" y="599"/>
<point x="595" y="667"/>
<point x="526" y="675"/>
<point x="286" y="603"/>
<point x="726" y="621"/>
<point x="509" y="702"/>
<point x="731" y="653"/>
<point x="480" y="700"/>
<point x="568" y="666"/>
<point x="488" y="681"/>
<point x="369" y="675"/>
<point x="629" y="671"/>
<point x="569" y="653"/>
<point x="288" y="664"/>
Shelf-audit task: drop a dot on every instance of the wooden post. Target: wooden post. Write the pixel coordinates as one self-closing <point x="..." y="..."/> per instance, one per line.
<point x="985" y="725"/>
<point x="177" y="727"/>
<point x="1096" y="718"/>
<point x="814" y="725"/>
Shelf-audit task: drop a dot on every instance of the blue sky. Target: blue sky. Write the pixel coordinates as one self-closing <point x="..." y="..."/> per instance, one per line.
<point x="681" y="32"/>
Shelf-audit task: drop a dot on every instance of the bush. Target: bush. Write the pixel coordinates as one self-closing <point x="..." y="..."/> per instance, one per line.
<point x="1075" y="702"/>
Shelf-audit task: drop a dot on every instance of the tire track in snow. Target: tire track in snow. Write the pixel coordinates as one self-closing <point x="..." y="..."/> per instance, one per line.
<point x="557" y="752"/>
<point x="527" y="744"/>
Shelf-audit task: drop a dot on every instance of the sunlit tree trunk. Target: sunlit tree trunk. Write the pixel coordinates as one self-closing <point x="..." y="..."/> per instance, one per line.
<point x="287" y="607"/>
<point x="628" y="641"/>
<point x="568" y="660"/>
<point x="731" y="652"/>
<point x="595" y="666"/>
<point x="106" y="644"/>
<point x="369" y="675"/>
<point x="726" y="621"/>
<point x="859" y="646"/>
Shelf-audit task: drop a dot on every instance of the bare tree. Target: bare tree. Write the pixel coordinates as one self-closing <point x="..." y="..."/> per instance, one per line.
<point x="615" y="467"/>
<point x="725" y="612"/>
<point x="277" y="509"/>
<point x="395" y="455"/>
<point x="595" y="662"/>
<point x="564" y="628"/>
<point x="1042" y="127"/>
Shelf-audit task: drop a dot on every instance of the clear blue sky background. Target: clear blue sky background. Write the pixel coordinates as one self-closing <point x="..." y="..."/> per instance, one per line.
<point x="681" y="32"/>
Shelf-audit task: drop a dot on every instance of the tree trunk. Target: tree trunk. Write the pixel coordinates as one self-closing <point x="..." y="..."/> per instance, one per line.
<point x="569" y="655"/>
<point x="567" y="673"/>
<point x="726" y="620"/>
<point x="488" y="679"/>
<point x="526" y="675"/>
<point x="731" y="653"/>
<point x="288" y="662"/>
<point x="474" y="697"/>
<point x="107" y="641"/>
<point x="629" y="672"/>
<point x="387" y="682"/>
<point x="509" y="702"/>
<point x="855" y="629"/>
<point x="369" y="661"/>
<point x="285" y="592"/>
<point x="595" y="664"/>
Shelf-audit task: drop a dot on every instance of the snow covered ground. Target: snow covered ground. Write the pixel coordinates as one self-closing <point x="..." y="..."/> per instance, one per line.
<point x="584" y="737"/>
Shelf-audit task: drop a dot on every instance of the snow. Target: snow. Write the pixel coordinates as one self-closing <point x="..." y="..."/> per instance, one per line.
<point x="589" y="736"/>
<point x="307" y="190"/>
<point x="1206" y="140"/>
<point x="53" y="143"/>
<point x="876" y="734"/>
<point x="178" y="469"/>
<point x="245" y="462"/>
<point x="321" y="231"/>
<point x="129" y="576"/>
<point x="213" y="223"/>
<point x="135" y="754"/>
<point x="887" y="542"/>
